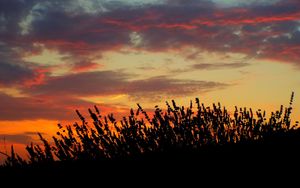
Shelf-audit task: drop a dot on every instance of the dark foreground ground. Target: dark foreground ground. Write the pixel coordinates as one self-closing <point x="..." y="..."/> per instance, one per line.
<point x="276" y="156"/>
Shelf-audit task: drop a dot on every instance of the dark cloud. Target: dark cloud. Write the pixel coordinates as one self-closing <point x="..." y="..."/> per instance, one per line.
<point x="14" y="74"/>
<point x="70" y="28"/>
<point x="23" y="138"/>
<point x="111" y="82"/>
<point x="170" y="86"/>
<point x="79" y="35"/>
<point x="242" y="30"/>
<point x="214" y="66"/>
<point x="16" y="138"/>
<point x="86" y="83"/>
<point x="12" y="12"/>
<point x="58" y="107"/>
<point x="53" y="108"/>
<point x="203" y="3"/>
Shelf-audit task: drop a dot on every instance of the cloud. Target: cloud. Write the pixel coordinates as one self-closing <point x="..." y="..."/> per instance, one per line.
<point x="12" y="12"/>
<point x="76" y="28"/>
<point x="237" y="3"/>
<point x="24" y="108"/>
<point x="215" y="66"/>
<point x="84" y="66"/>
<point x="16" y="74"/>
<point x="16" y="138"/>
<point x="22" y="138"/>
<point x="156" y="88"/>
<point x="85" y="83"/>
<point x="58" y="108"/>
<point x="103" y="83"/>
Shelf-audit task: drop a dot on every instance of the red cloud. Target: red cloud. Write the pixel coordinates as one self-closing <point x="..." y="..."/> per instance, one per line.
<point x="234" y="16"/>
<point x="85" y="66"/>
<point x="38" y="79"/>
<point x="253" y="19"/>
<point x="282" y="53"/>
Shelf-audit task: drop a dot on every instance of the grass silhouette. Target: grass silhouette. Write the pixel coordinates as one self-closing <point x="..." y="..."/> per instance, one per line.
<point x="196" y="134"/>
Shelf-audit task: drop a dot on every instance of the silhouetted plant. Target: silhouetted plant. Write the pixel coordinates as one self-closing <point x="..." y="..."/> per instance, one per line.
<point x="176" y="128"/>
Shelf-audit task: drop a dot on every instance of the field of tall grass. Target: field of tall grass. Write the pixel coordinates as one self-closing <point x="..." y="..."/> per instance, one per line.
<point x="177" y="129"/>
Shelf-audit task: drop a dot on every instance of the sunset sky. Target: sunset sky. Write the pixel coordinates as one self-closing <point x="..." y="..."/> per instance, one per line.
<point x="60" y="55"/>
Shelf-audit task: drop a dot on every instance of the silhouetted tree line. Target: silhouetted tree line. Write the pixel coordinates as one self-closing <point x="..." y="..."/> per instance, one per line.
<point x="175" y="129"/>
